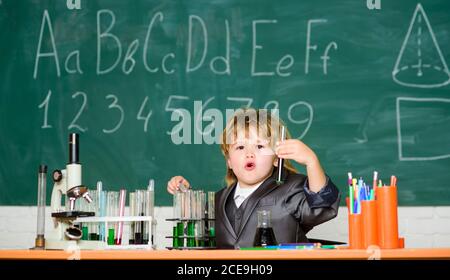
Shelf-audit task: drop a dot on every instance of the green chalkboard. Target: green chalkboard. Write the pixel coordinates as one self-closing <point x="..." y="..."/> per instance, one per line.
<point x="365" y="86"/>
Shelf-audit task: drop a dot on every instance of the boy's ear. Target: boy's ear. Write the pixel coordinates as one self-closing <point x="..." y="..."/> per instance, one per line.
<point x="229" y="164"/>
<point x="275" y="162"/>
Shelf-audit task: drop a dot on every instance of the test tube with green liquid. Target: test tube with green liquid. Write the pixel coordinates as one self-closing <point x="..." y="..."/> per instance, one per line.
<point x="178" y="227"/>
<point x="191" y="205"/>
<point x="180" y="232"/>
<point x="83" y="206"/>
<point x="211" y="217"/>
<point x="191" y="234"/>
<point x="175" y="237"/>
<point x="113" y="211"/>
<point x="212" y="237"/>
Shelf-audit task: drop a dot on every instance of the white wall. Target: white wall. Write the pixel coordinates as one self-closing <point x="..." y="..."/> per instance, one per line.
<point x="421" y="227"/>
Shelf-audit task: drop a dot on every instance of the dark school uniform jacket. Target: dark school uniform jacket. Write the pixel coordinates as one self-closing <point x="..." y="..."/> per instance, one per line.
<point x="294" y="210"/>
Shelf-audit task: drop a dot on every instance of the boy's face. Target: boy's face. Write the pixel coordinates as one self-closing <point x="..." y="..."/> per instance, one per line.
<point x="251" y="158"/>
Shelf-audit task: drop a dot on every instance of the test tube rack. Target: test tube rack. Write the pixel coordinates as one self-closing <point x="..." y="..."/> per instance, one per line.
<point x="103" y="244"/>
<point x="191" y="241"/>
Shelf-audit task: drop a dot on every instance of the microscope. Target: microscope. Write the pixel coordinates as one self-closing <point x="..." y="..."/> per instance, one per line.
<point x="67" y="183"/>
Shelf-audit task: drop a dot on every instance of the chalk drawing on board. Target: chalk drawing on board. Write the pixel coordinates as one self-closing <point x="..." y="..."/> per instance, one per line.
<point x="364" y="126"/>
<point x="402" y="138"/>
<point x="420" y="62"/>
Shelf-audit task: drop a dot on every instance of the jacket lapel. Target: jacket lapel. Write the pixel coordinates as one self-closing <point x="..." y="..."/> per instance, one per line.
<point x="265" y="188"/>
<point x="223" y="213"/>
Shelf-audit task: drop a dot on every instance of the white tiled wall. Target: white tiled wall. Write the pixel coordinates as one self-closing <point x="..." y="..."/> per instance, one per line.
<point x="421" y="227"/>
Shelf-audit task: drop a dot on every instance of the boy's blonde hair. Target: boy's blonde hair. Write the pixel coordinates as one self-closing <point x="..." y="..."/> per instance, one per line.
<point x="266" y="124"/>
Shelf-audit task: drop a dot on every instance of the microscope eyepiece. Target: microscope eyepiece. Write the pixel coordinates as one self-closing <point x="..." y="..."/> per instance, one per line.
<point x="73" y="148"/>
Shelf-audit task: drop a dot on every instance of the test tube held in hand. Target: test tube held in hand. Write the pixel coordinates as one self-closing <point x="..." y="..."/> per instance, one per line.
<point x="280" y="160"/>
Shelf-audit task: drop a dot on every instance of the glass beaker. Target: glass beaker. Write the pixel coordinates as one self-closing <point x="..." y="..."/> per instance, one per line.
<point x="264" y="235"/>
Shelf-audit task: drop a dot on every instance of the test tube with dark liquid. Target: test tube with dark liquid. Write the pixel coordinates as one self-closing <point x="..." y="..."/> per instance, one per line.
<point x="132" y="213"/>
<point x="93" y="207"/>
<point x="139" y="226"/>
<point x="148" y="212"/>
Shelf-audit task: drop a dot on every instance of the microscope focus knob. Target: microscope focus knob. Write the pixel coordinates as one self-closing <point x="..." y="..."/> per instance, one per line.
<point x="57" y="175"/>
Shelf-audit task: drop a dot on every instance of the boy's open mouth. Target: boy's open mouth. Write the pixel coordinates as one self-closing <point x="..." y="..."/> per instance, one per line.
<point x="249" y="166"/>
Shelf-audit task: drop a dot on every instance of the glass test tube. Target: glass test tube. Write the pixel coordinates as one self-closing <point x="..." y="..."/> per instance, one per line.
<point x="97" y="208"/>
<point x="122" y="200"/>
<point x="143" y="213"/>
<point x="132" y="213"/>
<point x="151" y="207"/>
<point x="102" y="213"/>
<point x="42" y="185"/>
<point x="203" y="217"/>
<point x="211" y="216"/>
<point x="199" y="223"/>
<point x="188" y="227"/>
<point x="195" y="218"/>
<point x="113" y="211"/>
<point x="176" y="215"/>
<point x="93" y="227"/>
<point x="180" y="215"/>
<point x="138" y="228"/>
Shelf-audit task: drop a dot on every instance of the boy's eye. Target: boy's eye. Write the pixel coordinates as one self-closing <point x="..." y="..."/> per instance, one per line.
<point x="260" y="146"/>
<point x="240" y="147"/>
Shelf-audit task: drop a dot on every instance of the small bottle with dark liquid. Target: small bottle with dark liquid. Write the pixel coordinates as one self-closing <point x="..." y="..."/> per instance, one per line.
<point x="264" y="235"/>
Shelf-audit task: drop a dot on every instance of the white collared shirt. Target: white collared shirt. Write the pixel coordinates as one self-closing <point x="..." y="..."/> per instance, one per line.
<point x="241" y="194"/>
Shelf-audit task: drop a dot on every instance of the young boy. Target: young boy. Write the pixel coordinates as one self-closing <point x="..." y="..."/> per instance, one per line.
<point x="296" y="205"/>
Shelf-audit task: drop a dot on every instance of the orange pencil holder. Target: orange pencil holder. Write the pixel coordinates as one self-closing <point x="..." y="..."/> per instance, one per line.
<point x="387" y="216"/>
<point x="355" y="231"/>
<point x="369" y="223"/>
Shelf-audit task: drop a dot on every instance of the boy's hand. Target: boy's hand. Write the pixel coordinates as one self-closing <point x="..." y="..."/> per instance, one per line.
<point x="175" y="182"/>
<point x="296" y="150"/>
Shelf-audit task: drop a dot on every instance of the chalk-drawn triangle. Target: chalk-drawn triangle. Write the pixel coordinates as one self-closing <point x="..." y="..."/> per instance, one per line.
<point x="420" y="62"/>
